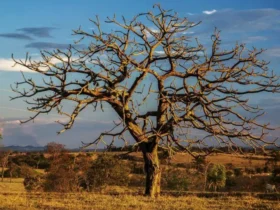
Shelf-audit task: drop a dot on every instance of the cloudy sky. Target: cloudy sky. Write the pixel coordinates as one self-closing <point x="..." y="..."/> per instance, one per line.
<point x="31" y="26"/>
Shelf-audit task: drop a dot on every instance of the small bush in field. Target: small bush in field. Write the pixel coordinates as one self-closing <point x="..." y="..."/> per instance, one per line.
<point x="107" y="170"/>
<point x="33" y="183"/>
<point x="259" y="170"/>
<point x="238" y="172"/>
<point x="229" y="173"/>
<point x="275" y="175"/>
<point x="216" y="176"/>
<point x="61" y="176"/>
<point x="175" y="179"/>
<point x="266" y="169"/>
<point x="230" y="179"/>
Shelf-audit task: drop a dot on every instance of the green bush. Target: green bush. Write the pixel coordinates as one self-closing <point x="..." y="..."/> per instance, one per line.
<point x="238" y="172"/>
<point x="175" y="179"/>
<point x="34" y="160"/>
<point x="20" y="172"/>
<point x="216" y="176"/>
<point x="15" y="173"/>
<point x="107" y="170"/>
<point x="230" y="179"/>
<point x="61" y="176"/>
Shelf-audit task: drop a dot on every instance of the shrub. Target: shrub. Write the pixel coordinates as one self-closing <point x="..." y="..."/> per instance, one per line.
<point x="276" y="172"/>
<point x="199" y="163"/>
<point x="259" y="170"/>
<point x="238" y="172"/>
<point x="107" y="170"/>
<point x="175" y="179"/>
<point x="62" y="176"/>
<point x="21" y="172"/>
<point x="275" y="175"/>
<point x="34" y="160"/>
<point x="32" y="183"/>
<point x="230" y="180"/>
<point x="13" y="172"/>
<point x="229" y="173"/>
<point x="216" y="176"/>
<point x="266" y="169"/>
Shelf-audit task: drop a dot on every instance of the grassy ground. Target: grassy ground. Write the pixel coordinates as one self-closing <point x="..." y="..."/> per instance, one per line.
<point x="238" y="160"/>
<point x="13" y="185"/>
<point x="84" y="201"/>
<point x="13" y="196"/>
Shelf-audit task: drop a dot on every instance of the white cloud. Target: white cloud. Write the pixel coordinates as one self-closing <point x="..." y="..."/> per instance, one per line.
<point x="159" y="52"/>
<point x="274" y="52"/>
<point x="209" y="12"/>
<point x="252" y="39"/>
<point x="241" y="21"/>
<point x="11" y="122"/>
<point x="147" y="33"/>
<point x="188" y="32"/>
<point x="9" y="64"/>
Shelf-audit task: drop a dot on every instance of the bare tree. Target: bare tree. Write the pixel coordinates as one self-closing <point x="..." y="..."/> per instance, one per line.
<point x="4" y="160"/>
<point x="161" y="85"/>
<point x="55" y="149"/>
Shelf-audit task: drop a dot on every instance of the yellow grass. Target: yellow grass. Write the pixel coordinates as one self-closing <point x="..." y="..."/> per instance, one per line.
<point x="16" y="185"/>
<point x="236" y="159"/>
<point x="13" y="196"/>
<point x="83" y="201"/>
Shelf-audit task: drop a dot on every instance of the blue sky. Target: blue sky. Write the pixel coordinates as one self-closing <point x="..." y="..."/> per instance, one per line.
<point x="30" y="26"/>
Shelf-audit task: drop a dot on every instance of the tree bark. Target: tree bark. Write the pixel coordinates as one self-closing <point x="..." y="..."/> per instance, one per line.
<point x="152" y="169"/>
<point x="2" y="174"/>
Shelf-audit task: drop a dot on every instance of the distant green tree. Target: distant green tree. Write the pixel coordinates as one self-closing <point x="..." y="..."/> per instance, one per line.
<point x="217" y="176"/>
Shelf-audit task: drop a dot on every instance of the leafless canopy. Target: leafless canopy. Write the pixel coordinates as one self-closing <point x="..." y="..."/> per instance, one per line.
<point x="162" y="83"/>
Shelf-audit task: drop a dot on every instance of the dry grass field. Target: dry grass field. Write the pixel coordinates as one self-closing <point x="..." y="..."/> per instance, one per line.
<point x="14" y="197"/>
<point x="83" y="201"/>
<point x="239" y="160"/>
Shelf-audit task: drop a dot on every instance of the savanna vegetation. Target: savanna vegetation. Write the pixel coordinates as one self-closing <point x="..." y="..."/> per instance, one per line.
<point x="162" y="84"/>
<point x="194" y="89"/>
<point x="98" y="180"/>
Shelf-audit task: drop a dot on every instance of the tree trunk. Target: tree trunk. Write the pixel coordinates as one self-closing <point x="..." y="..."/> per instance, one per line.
<point x="2" y="174"/>
<point x="152" y="169"/>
